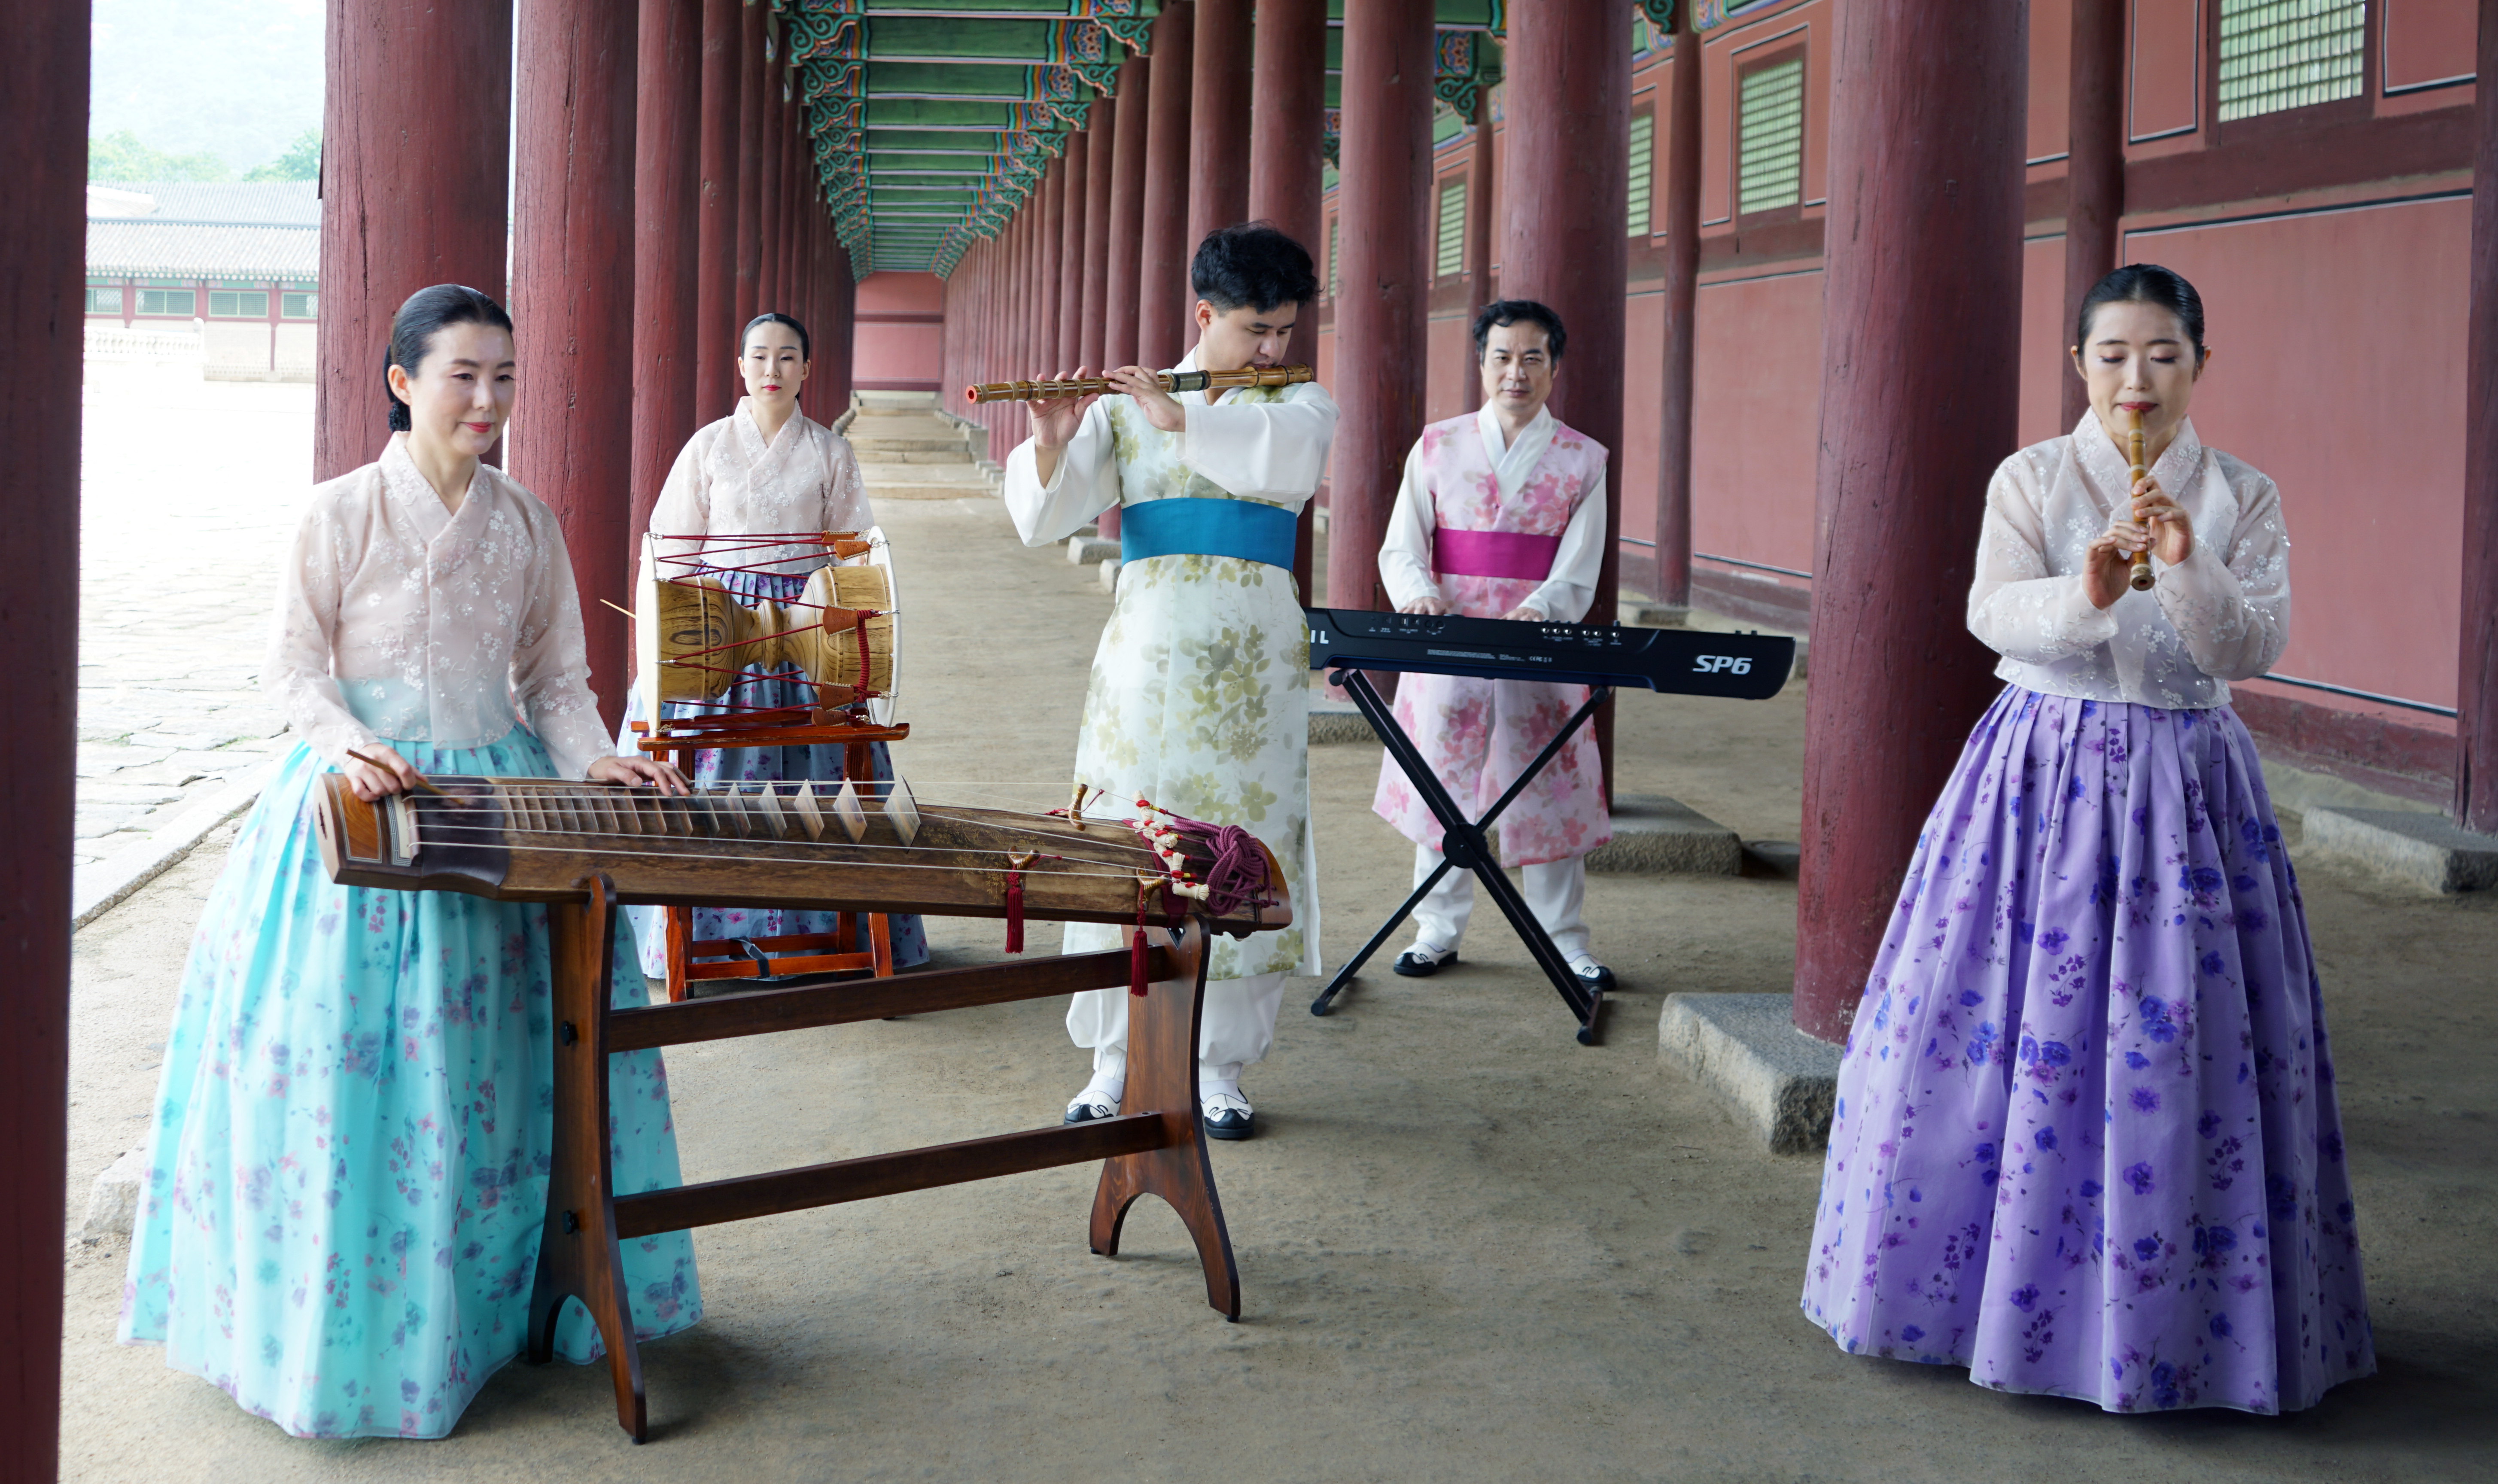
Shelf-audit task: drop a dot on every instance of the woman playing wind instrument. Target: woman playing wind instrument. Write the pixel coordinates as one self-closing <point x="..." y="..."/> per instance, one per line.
<point x="2086" y="1142"/>
<point x="766" y="468"/>
<point x="347" y="1170"/>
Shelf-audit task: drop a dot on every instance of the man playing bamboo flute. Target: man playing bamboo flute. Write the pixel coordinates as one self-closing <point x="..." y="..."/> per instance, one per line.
<point x="1198" y="698"/>
<point x="1501" y="515"/>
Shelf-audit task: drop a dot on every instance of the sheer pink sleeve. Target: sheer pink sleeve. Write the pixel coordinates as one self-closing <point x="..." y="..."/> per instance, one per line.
<point x="296" y="676"/>
<point x="2017" y="607"/>
<point x="2229" y="599"/>
<point x="551" y="660"/>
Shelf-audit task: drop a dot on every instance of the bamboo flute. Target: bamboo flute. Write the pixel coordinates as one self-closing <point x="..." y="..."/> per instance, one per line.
<point x="2139" y="579"/>
<point x="1172" y="381"/>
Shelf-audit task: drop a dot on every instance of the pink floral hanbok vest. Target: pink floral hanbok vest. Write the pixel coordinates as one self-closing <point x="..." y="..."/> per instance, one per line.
<point x="1480" y="734"/>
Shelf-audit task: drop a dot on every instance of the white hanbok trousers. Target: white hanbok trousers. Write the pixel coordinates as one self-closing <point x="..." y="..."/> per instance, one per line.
<point x="1234" y="1031"/>
<point x="1556" y="891"/>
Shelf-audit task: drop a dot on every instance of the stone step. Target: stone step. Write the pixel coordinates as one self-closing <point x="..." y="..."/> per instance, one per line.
<point x="913" y="456"/>
<point x="1746" y="1049"/>
<point x="980" y="492"/>
<point x="957" y="472"/>
<point x="2424" y="851"/>
<point x="925" y="439"/>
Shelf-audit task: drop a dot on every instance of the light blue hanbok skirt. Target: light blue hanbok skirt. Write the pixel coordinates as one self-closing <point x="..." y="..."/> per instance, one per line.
<point x="347" y="1170"/>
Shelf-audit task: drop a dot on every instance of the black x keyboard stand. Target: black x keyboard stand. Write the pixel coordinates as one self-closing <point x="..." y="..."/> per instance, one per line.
<point x="1347" y="641"/>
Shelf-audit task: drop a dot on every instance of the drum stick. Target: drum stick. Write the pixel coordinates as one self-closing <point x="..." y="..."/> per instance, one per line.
<point x="422" y="782"/>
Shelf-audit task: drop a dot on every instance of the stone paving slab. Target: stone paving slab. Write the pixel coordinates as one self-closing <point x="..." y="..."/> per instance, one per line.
<point x="181" y="534"/>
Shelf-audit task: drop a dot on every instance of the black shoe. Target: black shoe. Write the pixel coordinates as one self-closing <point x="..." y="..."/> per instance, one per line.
<point x="1089" y="1106"/>
<point x="1414" y="963"/>
<point x="1595" y="977"/>
<point x="1226" y="1115"/>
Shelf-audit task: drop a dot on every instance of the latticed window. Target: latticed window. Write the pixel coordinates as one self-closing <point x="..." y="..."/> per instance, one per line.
<point x="1643" y="158"/>
<point x="2278" y="55"/>
<point x="226" y="303"/>
<point x="1451" y="254"/>
<point x="1770" y="157"/>
<point x="102" y="296"/>
<point x="1336" y="236"/>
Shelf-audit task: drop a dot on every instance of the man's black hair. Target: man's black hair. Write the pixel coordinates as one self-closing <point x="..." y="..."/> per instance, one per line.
<point x="1509" y="311"/>
<point x="1252" y="263"/>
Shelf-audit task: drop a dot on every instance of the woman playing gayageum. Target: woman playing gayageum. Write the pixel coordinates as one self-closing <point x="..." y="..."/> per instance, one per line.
<point x="347" y="1172"/>
<point x="2086" y="1142"/>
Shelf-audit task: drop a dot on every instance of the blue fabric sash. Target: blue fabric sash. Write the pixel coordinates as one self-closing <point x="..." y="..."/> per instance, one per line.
<point x="1207" y="528"/>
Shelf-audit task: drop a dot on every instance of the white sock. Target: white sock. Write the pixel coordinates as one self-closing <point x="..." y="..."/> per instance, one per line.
<point x="1109" y="1075"/>
<point x="1213" y="1078"/>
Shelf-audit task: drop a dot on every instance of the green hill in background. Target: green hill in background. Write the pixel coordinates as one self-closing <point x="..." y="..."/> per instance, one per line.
<point x="205" y="89"/>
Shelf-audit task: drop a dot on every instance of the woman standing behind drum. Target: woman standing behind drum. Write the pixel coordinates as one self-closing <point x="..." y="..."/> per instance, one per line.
<point x="2086" y="1141"/>
<point x="347" y="1172"/>
<point x="767" y="468"/>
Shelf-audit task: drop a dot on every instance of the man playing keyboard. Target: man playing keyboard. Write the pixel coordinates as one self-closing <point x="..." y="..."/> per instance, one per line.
<point x="1501" y="515"/>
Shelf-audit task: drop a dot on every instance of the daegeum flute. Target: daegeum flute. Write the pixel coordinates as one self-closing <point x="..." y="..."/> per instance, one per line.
<point x="1172" y="381"/>
<point x="2138" y="579"/>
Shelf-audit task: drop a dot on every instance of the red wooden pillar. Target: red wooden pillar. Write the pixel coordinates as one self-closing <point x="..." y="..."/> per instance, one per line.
<point x="1914" y="423"/>
<point x="44" y="73"/>
<point x="572" y="225"/>
<point x="2094" y="170"/>
<point x="1164" y="329"/>
<point x="1077" y="188"/>
<point x="716" y="288"/>
<point x="412" y="193"/>
<point x="770" y="293"/>
<point x="1127" y="233"/>
<point x="1218" y="136"/>
<point x="1569" y="104"/>
<point x="1287" y="129"/>
<point x="1386" y="162"/>
<point x="841" y="293"/>
<point x="1100" y="164"/>
<point x="1046" y="202"/>
<point x="1480" y="216"/>
<point x="792" y="194"/>
<point x="667" y="166"/>
<point x="751" y="69"/>
<point x="1682" y="301"/>
<point x="2476" y="756"/>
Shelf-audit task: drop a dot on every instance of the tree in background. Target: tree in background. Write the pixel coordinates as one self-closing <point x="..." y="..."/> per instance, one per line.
<point x="302" y="161"/>
<point x="121" y="156"/>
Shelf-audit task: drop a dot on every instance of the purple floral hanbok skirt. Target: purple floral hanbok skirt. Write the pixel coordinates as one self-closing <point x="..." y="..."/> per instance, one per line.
<point x="2086" y="1142"/>
<point x="756" y="765"/>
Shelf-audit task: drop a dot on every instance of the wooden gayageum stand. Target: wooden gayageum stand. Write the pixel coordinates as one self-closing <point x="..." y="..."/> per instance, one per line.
<point x="1154" y="1146"/>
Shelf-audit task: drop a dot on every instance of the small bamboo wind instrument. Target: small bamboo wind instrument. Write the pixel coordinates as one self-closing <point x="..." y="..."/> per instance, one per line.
<point x="2139" y="579"/>
<point x="1172" y="381"/>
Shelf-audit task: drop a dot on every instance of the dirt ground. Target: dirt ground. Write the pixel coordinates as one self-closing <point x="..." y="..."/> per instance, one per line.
<point x="1469" y="1248"/>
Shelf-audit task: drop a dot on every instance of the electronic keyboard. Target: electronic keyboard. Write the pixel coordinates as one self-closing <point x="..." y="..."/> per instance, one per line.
<point x="1679" y="662"/>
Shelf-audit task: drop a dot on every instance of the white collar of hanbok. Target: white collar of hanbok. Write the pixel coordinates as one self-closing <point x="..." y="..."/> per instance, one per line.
<point x="1510" y="464"/>
<point x="749" y="435"/>
<point x="416" y="499"/>
<point x="2105" y="465"/>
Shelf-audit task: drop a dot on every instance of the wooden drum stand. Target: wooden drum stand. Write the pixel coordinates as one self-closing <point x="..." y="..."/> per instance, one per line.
<point x="860" y="942"/>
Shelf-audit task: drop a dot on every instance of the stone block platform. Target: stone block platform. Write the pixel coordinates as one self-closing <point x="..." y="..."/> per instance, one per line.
<point x="2427" y="850"/>
<point x="1744" y="1048"/>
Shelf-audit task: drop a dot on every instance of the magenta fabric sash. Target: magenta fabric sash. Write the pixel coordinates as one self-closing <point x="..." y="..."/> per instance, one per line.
<point x="1512" y="554"/>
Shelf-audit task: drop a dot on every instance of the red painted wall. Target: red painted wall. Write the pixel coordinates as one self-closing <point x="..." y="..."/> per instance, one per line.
<point x="2337" y="367"/>
<point x="901" y="333"/>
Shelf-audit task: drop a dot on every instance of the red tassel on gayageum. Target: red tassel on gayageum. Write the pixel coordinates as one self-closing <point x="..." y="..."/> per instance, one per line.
<point x="1014" y="912"/>
<point x="1136" y="963"/>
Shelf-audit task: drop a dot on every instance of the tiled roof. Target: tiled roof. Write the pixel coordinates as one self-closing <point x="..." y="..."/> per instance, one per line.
<point x="142" y="249"/>
<point x="256" y="203"/>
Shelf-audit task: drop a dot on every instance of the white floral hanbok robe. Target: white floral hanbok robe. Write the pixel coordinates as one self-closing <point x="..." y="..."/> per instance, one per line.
<point x="1198" y="700"/>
